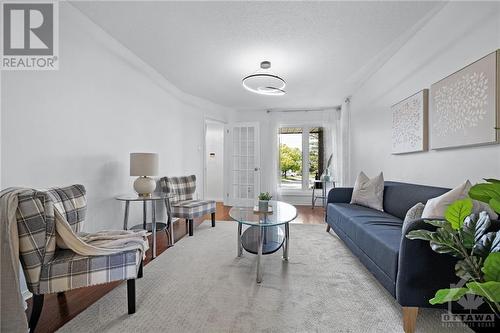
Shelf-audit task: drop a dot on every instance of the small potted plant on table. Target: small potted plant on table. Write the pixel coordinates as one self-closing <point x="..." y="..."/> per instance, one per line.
<point x="264" y="198"/>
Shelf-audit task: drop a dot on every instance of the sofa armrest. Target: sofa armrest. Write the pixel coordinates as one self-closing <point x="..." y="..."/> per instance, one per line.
<point x="421" y="271"/>
<point x="340" y="195"/>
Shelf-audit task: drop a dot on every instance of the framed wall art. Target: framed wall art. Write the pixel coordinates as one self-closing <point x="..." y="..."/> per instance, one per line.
<point x="464" y="107"/>
<point x="409" y="124"/>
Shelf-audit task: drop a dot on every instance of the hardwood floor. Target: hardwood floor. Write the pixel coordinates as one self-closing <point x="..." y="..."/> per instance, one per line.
<point x="59" y="309"/>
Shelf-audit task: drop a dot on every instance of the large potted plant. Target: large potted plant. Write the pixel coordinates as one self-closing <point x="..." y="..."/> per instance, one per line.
<point x="475" y="241"/>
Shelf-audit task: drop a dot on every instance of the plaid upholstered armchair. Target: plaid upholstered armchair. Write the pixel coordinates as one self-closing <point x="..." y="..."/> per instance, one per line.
<point x="49" y="269"/>
<point x="183" y="205"/>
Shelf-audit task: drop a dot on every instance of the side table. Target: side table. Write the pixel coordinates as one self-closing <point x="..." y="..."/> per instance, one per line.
<point x="324" y="193"/>
<point x="152" y="226"/>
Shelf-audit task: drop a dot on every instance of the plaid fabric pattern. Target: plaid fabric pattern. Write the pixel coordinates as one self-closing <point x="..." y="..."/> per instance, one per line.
<point x="37" y="234"/>
<point x="70" y="201"/>
<point x="183" y="205"/>
<point x="190" y="209"/>
<point x="49" y="270"/>
<point x="183" y="187"/>
<point x="69" y="270"/>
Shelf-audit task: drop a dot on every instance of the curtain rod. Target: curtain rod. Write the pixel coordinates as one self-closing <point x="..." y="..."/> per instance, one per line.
<point x="326" y="108"/>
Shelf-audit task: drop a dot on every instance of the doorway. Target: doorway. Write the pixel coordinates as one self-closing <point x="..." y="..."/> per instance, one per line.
<point x="214" y="160"/>
<point x="245" y="162"/>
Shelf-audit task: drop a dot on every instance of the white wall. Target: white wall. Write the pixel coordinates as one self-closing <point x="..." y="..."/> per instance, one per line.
<point x="455" y="37"/>
<point x="79" y="124"/>
<point x="214" y="164"/>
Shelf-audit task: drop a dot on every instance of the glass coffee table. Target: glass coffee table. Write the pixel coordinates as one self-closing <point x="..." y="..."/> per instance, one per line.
<point x="265" y="234"/>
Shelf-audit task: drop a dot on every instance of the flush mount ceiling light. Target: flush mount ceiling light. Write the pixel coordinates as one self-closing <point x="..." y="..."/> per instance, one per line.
<point x="263" y="82"/>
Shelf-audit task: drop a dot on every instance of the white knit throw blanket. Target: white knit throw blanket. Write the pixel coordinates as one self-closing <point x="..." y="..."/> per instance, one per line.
<point x="12" y="314"/>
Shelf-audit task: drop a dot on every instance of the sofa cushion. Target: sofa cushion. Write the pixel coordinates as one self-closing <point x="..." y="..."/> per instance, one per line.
<point x="347" y="216"/>
<point x="376" y="233"/>
<point x="380" y="241"/>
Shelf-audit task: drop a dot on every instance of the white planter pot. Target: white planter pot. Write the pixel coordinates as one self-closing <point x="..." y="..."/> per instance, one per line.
<point x="263" y="205"/>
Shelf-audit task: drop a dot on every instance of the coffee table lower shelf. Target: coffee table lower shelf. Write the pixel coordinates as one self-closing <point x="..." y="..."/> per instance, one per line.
<point x="274" y="238"/>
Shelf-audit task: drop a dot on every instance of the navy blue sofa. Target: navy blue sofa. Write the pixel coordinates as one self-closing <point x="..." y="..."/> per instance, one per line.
<point x="408" y="269"/>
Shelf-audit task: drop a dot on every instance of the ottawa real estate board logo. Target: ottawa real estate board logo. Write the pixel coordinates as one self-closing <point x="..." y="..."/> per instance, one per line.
<point x="30" y="38"/>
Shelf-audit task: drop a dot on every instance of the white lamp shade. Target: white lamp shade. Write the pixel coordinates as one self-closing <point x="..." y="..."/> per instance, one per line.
<point x="143" y="164"/>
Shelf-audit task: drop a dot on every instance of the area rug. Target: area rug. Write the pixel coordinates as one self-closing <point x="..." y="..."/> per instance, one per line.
<point x="199" y="285"/>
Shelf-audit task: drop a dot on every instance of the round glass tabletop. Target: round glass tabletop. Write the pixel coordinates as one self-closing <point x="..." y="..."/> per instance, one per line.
<point x="135" y="197"/>
<point x="279" y="213"/>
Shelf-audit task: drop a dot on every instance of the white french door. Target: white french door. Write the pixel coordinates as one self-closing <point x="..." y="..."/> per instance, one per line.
<point x="245" y="163"/>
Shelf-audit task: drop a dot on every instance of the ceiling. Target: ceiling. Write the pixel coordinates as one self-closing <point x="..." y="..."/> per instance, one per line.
<point x="324" y="50"/>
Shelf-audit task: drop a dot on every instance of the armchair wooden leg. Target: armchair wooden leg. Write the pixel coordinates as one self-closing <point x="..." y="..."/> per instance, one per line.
<point x="131" y="296"/>
<point x="213" y="220"/>
<point x="140" y="272"/>
<point x="36" y="311"/>
<point x="409" y="319"/>
<point x="328" y="228"/>
<point x="191" y="227"/>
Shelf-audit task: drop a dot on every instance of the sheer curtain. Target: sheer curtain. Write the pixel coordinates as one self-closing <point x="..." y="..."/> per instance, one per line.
<point x="275" y="174"/>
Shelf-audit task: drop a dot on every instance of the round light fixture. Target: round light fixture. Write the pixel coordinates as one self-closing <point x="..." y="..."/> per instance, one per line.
<point x="264" y="83"/>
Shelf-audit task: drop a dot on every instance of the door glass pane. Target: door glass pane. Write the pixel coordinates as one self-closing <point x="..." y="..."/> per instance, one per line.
<point x="290" y="155"/>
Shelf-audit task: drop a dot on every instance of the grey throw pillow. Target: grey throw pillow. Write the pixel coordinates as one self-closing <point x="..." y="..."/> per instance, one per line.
<point x="369" y="192"/>
<point x="414" y="213"/>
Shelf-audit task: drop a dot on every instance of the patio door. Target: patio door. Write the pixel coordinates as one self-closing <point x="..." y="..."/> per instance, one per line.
<point x="245" y="163"/>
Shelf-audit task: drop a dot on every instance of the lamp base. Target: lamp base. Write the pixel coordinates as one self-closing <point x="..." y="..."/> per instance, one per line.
<point x="144" y="186"/>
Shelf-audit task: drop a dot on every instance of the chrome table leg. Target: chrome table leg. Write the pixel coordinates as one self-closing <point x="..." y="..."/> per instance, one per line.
<point x="240" y="247"/>
<point x="260" y="240"/>
<point x="287" y="240"/>
<point x="153" y="226"/>
<point x="169" y="221"/>
<point x="324" y="194"/>
<point x="125" y="218"/>
<point x="144" y="215"/>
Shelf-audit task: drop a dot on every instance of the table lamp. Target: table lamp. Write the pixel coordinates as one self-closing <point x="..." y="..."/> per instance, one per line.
<point x="144" y="165"/>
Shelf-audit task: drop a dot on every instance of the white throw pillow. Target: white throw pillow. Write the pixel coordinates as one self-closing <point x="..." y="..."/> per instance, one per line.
<point x="414" y="213"/>
<point x="369" y="192"/>
<point x="436" y="207"/>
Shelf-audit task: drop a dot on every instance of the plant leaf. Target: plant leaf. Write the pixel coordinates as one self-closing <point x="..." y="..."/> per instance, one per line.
<point x="440" y="241"/>
<point x="495" y="246"/>
<point x="482" y="224"/>
<point x="457" y="212"/>
<point x="495" y="204"/>
<point x="420" y="234"/>
<point x="461" y="270"/>
<point x="492" y="180"/>
<point x="485" y="191"/>
<point x="448" y="295"/>
<point x="468" y="231"/>
<point x="484" y="245"/>
<point x="490" y="289"/>
<point x="438" y="223"/>
<point x="466" y="269"/>
<point x="491" y="268"/>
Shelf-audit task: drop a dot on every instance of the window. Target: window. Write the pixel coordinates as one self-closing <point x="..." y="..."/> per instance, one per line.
<point x="301" y="155"/>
